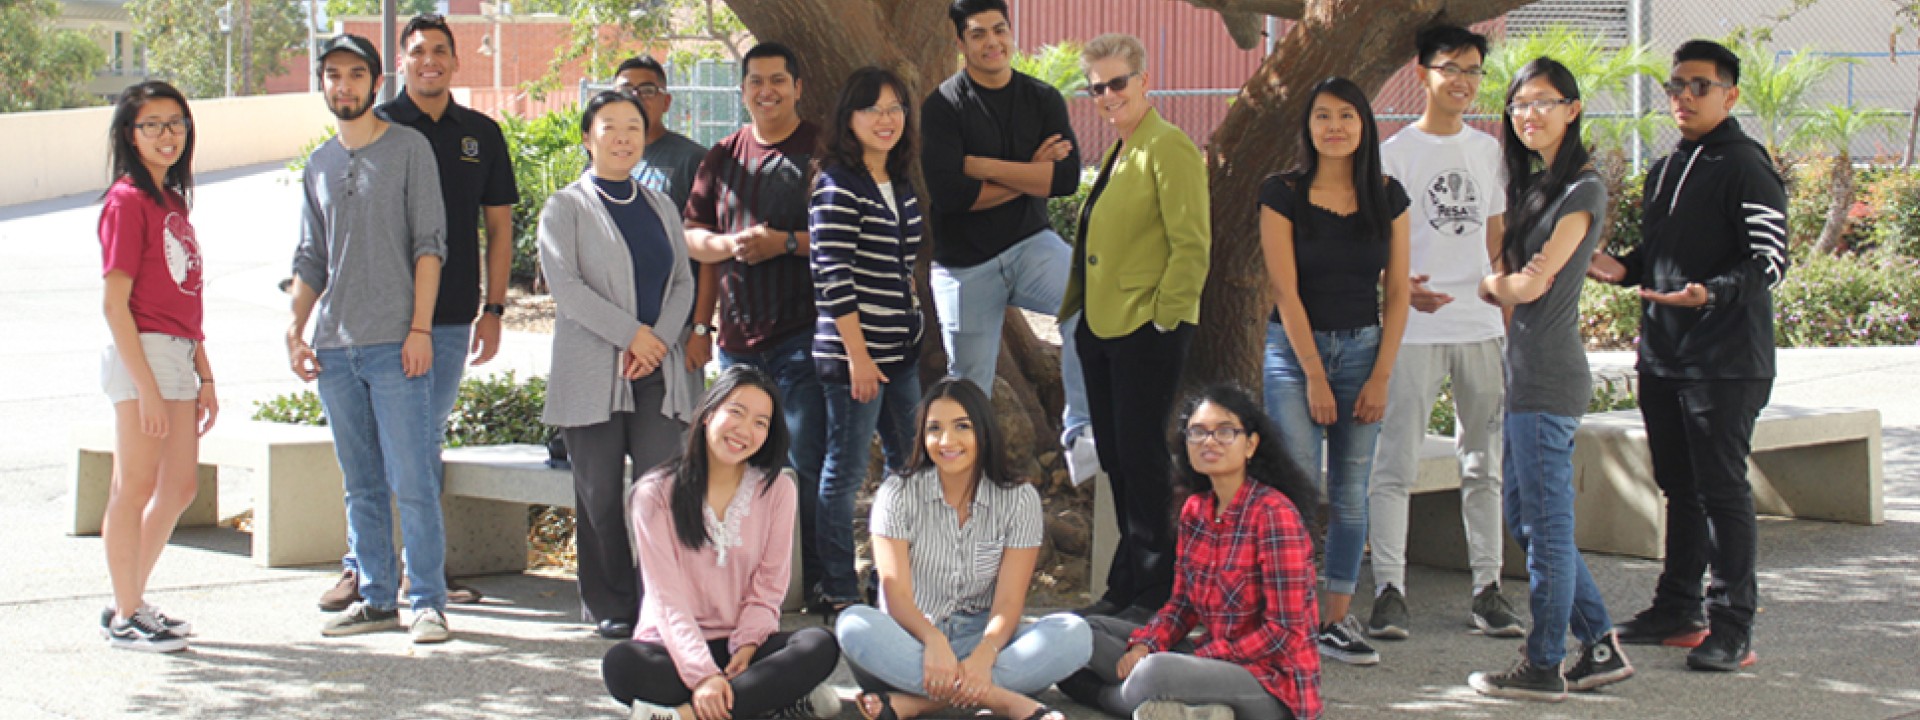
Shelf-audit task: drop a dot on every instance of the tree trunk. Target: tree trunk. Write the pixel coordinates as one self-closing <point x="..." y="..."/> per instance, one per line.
<point x="1840" y="184"/>
<point x="1362" y="40"/>
<point x="245" y="66"/>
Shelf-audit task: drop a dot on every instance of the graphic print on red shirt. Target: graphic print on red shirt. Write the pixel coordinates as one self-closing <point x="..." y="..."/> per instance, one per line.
<point x="155" y="245"/>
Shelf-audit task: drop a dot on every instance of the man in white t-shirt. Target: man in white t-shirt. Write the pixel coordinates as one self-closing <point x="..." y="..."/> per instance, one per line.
<point x="1453" y="173"/>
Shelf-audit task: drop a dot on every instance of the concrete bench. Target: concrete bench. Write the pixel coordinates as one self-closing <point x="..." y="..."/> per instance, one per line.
<point x="487" y="492"/>
<point x="1435" y="536"/>
<point x="299" y="513"/>
<point x="1815" y="463"/>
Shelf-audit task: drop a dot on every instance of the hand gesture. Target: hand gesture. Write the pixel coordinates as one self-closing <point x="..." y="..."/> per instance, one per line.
<point x="713" y="699"/>
<point x="1605" y="268"/>
<point x="1692" y="296"/>
<point x="976" y="678"/>
<point x="1054" y="149"/>
<point x="758" y="244"/>
<point x="939" y="672"/>
<point x="1423" y="298"/>
<point x="1372" y="403"/>
<point x="1320" y="404"/>
<point x="644" y="353"/>
<point x="300" y="356"/>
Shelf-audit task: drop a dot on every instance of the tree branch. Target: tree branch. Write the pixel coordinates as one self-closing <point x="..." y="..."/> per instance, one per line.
<point x="1286" y="9"/>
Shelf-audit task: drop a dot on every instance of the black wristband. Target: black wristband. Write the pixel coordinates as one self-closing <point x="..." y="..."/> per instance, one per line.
<point x="495" y="309"/>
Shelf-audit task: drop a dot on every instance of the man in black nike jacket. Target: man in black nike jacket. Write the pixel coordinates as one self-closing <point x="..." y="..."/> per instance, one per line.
<point x="1713" y="246"/>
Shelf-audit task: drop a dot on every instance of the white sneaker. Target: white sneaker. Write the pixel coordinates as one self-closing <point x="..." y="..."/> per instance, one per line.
<point x="643" y="710"/>
<point x="429" y="626"/>
<point x="1083" y="462"/>
<point x="1171" y="710"/>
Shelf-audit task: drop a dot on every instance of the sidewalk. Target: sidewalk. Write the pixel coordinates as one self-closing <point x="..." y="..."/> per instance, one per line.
<point x="1837" y="636"/>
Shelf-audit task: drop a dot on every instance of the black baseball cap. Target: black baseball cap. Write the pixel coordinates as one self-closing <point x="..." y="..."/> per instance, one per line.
<point x="346" y="42"/>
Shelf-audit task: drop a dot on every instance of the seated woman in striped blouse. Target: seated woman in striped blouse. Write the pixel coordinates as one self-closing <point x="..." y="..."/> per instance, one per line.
<point x="1245" y="573"/>
<point x="865" y="223"/>
<point x="714" y="527"/>
<point x="955" y="538"/>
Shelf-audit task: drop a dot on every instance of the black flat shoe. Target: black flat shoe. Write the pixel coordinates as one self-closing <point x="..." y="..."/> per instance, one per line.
<point x="615" y="629"/>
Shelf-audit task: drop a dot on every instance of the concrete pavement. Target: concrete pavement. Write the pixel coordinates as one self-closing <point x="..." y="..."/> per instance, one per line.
<point x="1839" y="636"/>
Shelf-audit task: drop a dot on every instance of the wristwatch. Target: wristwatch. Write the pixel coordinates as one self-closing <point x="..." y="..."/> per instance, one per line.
<point x="793" y="242"/>
<point x="495" y="309"/>
<point x="702" y="329"/>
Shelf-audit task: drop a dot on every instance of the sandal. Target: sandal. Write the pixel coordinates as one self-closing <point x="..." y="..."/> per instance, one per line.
<point x="886" y="706"/>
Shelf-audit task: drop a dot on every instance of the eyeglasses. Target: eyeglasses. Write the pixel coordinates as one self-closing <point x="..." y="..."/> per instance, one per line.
<point x="1117" y="85"/>
<point x="1534" y="106"/>
<point x="642" y="91"/>
<point x="1453" y="72"/>
<point x="1698" y="86"/>
<point x="890" y="112"/>
<point x="1224" y="435"/>
<point x="153" y="128"/>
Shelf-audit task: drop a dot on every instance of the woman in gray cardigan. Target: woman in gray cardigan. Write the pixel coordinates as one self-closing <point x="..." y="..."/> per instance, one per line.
<point x="616" y="262"/>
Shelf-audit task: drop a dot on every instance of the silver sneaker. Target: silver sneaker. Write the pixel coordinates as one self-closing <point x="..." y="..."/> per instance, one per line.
<point x="429" y="626"/>
<point x="1494" y="615"/>
<point x="1173" y="710"/>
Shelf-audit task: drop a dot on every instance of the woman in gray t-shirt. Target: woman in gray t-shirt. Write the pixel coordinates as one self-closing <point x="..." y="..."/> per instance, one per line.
<point x="955" y="538"/>
<point x="1556" y="208"/>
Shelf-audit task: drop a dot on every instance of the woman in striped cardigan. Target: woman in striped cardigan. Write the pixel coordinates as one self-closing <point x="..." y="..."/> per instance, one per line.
<point x="865" y="224"/>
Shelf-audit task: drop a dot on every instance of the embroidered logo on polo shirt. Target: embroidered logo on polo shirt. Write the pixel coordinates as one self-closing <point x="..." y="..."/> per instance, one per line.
<point x="469" y="149"/>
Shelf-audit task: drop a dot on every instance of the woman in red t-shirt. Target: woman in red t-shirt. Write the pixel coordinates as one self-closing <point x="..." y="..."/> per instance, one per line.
<point x="155" y="371"/>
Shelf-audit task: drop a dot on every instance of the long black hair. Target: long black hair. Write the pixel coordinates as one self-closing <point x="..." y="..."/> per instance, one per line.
<point x="1269" y="465"/>
<point x="1528" y="196"/>
<point x="990" y="456"/>
<point x="123" y="156"/>
<point x="1369" y="184"/>
<point x="689" y="468"/>
<point x="862" y="90"/>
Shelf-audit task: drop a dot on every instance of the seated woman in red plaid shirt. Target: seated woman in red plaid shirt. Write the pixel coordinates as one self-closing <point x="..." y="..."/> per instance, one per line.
<point x="1245" y="572"/>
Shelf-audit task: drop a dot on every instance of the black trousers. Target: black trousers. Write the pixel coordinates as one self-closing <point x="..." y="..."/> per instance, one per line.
<point x="1130" y="385"/>
<point x="785" y="668"/>
<point x="609" y="580"/>
<point x="1699" y="433"/>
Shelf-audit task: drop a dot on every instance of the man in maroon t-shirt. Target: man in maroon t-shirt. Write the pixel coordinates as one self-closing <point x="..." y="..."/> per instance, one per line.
<point x="747" y="223"/>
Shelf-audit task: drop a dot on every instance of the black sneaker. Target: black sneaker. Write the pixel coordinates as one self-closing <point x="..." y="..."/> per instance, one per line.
<point x="1654" y="626"/>
<point x="1725" y="649"/>
<point x="1341" y="641"/>
<point x="1494" y="615"/>
<point x="361" y="618"/>
<point x="1389" y="618"/>
<point x="1525" y="681"/>
<point x="345" y="592"/>
<point x="143" y="632"/>
<point x="176" y="625"/>
<point x="1602" y="663"/>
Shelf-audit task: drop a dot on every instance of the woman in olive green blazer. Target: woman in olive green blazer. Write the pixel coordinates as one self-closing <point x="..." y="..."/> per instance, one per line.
<point x="1139" y="261"/>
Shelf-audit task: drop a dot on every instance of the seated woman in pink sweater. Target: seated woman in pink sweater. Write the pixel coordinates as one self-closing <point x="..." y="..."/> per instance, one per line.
<point x="714" y="534"/>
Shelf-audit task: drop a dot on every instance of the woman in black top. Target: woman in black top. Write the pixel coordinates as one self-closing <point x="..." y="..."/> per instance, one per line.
<point x="1329" y="228"/>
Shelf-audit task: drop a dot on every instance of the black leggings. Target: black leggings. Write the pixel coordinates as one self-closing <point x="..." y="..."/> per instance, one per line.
<point x="785" y="668"/>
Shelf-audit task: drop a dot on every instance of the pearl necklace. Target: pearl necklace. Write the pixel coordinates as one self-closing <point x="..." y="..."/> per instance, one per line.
<point x="614" y="200"/>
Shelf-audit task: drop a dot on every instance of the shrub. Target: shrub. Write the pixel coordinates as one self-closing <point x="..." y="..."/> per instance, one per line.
<point x="492" y="410"/>
<point x="1064" y="212"/>
<point x="1894" y="197"/>
<point x="1809" y="194"/>
<point x="546" y="156"/>
<point x="1848" y="300"/>
<point x="1609" y="316"/>
<point x="1623" y="219"/>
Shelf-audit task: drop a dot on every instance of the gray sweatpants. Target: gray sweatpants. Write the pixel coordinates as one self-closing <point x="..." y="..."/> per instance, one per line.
<point x="1479" y="384"/>
<point x="1176" y="676"/>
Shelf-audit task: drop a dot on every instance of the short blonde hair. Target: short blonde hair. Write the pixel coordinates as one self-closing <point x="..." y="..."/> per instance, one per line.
<point x="1112" y="45"/>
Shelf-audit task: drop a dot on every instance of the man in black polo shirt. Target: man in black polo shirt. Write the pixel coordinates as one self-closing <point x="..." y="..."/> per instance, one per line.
<point x="476" y="177"/>
<point x="995" y="145"/>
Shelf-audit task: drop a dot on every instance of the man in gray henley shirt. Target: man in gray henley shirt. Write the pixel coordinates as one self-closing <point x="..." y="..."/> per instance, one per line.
<point x="373" y="235"/>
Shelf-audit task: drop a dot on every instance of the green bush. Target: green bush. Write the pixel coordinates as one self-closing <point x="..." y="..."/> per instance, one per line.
<point x="493" y="410"/>
<point x="1808" y="198"/>
<point x="1609" y="316"/>
<point x="546" y="156"/>
<point x="1848" y="300"/>
<point x="1894" y="196"/>
<point x="1064" y="212"/>
<point x="1623" y="219"/>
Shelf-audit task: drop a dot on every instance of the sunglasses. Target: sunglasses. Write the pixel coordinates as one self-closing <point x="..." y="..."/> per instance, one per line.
<point x="1117" y="84"/>
<point x="1698" y="86"/>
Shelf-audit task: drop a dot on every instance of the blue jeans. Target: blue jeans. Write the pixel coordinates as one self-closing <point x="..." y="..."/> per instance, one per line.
<point x="884" y="656"/>
<point x="1538" y="494"/>
<point x="388" y="444"/>
<point x="973" y="301"/>
<point x="1344" y="449"/>
<point x="790" y="363"/>
<point x="850" y="429"/>
<point x="450" y="344"/>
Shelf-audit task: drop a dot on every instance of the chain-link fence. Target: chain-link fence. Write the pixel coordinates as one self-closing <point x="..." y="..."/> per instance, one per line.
<point x="706" y="99"/>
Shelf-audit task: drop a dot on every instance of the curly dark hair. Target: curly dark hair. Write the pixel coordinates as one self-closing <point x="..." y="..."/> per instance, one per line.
<point x="1269" y="465"/>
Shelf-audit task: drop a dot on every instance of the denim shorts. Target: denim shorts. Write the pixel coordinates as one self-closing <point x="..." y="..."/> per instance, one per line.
<point x="171" y="360"/>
